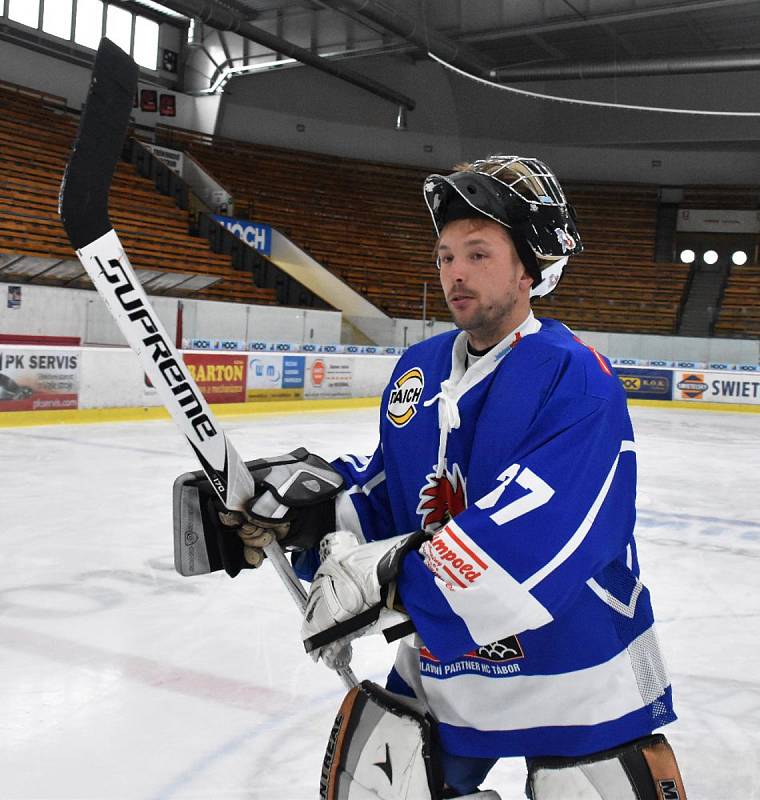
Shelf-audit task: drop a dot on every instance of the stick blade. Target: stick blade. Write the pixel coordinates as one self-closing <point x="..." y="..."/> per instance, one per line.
<point x="83" y="199"/>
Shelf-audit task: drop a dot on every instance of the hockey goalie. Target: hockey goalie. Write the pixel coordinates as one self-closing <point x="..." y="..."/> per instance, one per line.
<point x="496" y="515"/>
<point x="491" y="531"/>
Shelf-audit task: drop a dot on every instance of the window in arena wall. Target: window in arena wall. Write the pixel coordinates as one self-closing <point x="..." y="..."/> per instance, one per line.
<point x="119" y="27"/>
<point x="146" y="42"/>
<point x="56" y="18"/>
<point x="88" y="29"/>
<point x="27" y="12"/>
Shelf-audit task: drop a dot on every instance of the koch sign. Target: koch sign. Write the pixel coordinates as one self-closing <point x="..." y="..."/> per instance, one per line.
<point x="256" y="234"/>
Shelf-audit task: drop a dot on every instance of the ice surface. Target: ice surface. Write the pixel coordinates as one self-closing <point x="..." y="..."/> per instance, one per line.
<point x="120" y="679"/>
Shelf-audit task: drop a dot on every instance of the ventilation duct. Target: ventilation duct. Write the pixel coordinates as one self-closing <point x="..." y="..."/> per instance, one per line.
<point x="676" y="65"/>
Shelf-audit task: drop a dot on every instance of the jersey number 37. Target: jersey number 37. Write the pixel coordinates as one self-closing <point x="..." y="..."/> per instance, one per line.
<point x="539" y="493"/>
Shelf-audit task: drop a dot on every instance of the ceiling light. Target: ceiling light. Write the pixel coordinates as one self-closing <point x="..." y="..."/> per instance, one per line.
<point x="401" y="119"/>
<point x="162" y="9"/>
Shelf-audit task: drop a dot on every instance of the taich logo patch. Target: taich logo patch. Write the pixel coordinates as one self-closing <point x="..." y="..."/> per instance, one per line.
<point x="404" y="396"/>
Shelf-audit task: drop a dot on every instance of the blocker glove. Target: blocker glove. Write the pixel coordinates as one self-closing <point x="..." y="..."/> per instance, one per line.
<point x="353" y="592"/>
<point x="294" y="503"/>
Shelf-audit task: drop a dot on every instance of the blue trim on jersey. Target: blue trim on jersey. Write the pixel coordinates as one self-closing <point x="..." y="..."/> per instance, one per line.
<point x="562" y="741"/>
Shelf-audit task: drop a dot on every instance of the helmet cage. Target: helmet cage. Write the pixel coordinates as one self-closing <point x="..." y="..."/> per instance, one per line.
<point x="542" y="217"/>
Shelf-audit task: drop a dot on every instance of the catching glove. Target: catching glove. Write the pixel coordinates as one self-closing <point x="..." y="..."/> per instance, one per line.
<point x="294" y="503"/>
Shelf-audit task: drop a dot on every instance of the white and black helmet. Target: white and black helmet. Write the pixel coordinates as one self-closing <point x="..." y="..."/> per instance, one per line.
<point x="523" y="195"/>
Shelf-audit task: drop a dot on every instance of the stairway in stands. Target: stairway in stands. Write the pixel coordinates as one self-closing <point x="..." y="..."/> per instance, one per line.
<point x="701" y="307"/>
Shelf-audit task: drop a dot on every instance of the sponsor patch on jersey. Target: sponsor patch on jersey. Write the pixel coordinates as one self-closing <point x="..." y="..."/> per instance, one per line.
<point x="452" y="560"/>
<point x="442" y="498"/>
<point x="404" y="397"/>
<point x="503" y="650"/>
<point x="497" y="660"/>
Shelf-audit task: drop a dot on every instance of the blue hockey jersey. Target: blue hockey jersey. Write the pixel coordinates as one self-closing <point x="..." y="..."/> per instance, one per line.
<point x="535" y="633"/>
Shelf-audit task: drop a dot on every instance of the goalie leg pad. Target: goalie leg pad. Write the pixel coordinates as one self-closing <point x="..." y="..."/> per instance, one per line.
<point x="645" y="769"/>
<point x="380" y="748"/>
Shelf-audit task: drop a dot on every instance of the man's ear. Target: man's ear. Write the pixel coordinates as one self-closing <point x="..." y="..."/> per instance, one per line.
<point x="525" y="281"/>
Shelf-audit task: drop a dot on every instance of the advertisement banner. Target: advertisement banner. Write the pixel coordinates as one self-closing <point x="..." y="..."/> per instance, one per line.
<point x="220" y="377"/>
<point x="275" y="377"/>
<point x="716" y="387"/>
<point x="293" y="372"/>
<point x="14" y="297"/>
<point x="256" y="234"/>
<point x="718" y="220"/>
<point x="172" y="158"/>
<point x="328" y="376"/>
<point x="40" y="380"/>
<point x="646" y="384"/>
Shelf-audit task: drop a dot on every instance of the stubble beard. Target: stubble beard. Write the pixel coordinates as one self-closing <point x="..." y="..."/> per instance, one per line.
<point x="486" y="323"/>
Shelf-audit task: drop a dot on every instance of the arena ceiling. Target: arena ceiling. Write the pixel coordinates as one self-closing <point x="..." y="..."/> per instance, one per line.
<point x="693" y="63"/>
<point x="502" y="40"/>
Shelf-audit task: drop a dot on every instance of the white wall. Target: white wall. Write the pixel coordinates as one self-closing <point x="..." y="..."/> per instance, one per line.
<point x="673" y="348"/>
<point x="204" y="112"/>
<point x="113" y="378"/>
<point x="215" y="320"/>
<point x="54" y="311"/>
<point x="341" y="119"/>
<point x="405" y="332"/>
<point x="71" y="81"/>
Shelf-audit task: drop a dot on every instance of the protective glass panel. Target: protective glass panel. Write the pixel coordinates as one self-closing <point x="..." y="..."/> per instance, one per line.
<point x="146" y="42"/>
<point x="56" y="18"/>
<point x="88" y="30"/>
<point x="27" y="12"/>
<point x="119" y="27"/>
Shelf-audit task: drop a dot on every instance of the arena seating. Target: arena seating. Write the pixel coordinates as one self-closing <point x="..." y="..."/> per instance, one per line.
<point x="615" y="284"/>
<point x="36" y="135"/>
<point x="739" y="312"/>
<point x="367" y="223"/>
<point x="364" y="221"/>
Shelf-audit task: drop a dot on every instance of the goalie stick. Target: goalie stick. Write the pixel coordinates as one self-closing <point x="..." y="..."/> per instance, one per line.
<point x="83" y="207"/>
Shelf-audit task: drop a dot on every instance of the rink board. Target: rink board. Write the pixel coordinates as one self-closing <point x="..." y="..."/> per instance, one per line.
<point x="46" y="385"/>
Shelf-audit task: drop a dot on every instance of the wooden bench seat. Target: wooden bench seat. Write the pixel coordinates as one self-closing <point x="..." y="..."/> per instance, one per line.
<point x="356" y="219"/>
<point x="35" y="142"/>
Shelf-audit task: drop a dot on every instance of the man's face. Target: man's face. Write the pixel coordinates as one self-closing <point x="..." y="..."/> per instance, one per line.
<point x="485" y="284"/>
